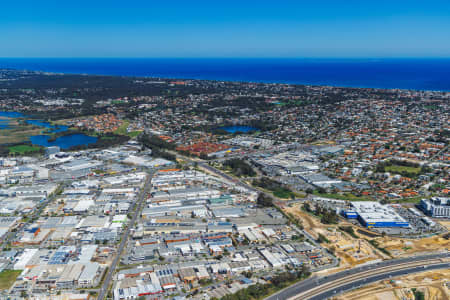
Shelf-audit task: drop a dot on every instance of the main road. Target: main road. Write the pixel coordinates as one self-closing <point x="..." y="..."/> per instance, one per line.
<point x="317" y="288"/>
<point x="112" y="268"/>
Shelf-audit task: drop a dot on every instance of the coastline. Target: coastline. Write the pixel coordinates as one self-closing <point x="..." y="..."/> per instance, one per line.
<point x="386" y="74"/>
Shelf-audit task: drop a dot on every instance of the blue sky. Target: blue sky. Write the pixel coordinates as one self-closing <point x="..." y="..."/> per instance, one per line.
<point x="133" y="28"/>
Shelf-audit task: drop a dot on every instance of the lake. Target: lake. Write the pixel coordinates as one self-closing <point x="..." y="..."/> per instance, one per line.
<point x="55" y="129"/>
<point x="64" y="142"/>
<point x="6" y="115"/>
<point x="11" y="114"/>
<point x="238" y="128"/>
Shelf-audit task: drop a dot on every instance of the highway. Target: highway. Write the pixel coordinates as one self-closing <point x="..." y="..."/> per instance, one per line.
<point x="386" y="275"/>
<point x="138" y="208"/>
<point x="326" y="286"/>
<point x="228" y="177"/>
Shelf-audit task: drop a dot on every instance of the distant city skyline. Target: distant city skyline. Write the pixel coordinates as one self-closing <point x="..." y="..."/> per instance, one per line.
<point x="330" y="29"/>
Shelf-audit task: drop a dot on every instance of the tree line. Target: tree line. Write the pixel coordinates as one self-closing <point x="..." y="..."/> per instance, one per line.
<point x="158" y="146"/>
<point x="277" y="282"/>
<point x="326" y="215"/>
<point x="239" y="167"/>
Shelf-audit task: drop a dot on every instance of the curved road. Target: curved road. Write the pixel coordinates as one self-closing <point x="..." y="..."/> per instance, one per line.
<point x="386" y="275"/>
<point x="326" y="286"/>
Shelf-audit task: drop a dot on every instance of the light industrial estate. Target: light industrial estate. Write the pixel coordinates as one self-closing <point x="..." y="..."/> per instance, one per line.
<point x="151" y="188"/>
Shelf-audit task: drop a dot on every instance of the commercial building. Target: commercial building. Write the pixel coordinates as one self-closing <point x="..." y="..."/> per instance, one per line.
<point x="318" y="179"/>
<point x="436" y="207"/>
<point x="373" y="214"/>
<point x="350" y="214"/>
<point x="89" y="275"/>
<point x="52" y="150"/>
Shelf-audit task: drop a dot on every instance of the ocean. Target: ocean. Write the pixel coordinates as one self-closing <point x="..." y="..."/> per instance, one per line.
<point x="416" y="74"/>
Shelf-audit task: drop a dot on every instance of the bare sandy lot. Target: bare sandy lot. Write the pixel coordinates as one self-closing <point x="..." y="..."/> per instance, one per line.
<point x="434" y="285"/>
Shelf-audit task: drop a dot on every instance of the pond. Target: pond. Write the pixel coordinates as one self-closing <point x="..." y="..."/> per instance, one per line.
<point x="64" y="142"/>
<point x="238" y="128"/>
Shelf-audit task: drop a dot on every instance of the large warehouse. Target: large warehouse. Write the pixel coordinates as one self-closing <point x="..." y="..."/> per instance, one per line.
<point x="373" y="214"/>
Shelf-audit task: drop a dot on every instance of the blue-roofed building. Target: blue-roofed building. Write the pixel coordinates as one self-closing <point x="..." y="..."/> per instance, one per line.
<point x="62" y="255"/>
<point x="373" y="214"/>
<point x="350" y="214"/>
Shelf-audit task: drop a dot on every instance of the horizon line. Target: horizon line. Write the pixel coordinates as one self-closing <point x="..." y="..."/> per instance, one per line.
<point x="227" y="57"/>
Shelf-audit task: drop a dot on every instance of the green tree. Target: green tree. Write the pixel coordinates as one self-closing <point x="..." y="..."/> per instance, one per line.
<point x="264" y="201"/>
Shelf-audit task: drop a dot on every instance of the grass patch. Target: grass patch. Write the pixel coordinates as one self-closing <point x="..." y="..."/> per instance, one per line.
<point x="344" y="196"/>
<point x="7" y="278"/>
<point x="322" y="239"/>
<point x="415" y="200"/>
<point x="107" y="138"/>
<point x="300" y="195"/>
<point x="377" y="245"/>
<point x="122" y="130"/>
<point x="283" y="193"/>
<point x="402" y="169"/>
<point x="18" y="133"/>
<point x="22" y="149"/>
<point x="133" y="134"/>
<point x="277" y="189"/>
<point x="349" y="230"/>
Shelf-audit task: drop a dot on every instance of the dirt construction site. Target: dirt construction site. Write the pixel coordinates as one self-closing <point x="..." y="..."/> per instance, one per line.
<point x="399" y="247"/>
<point x="351" y="251"/>
<point x="354" y="251"/>
<point x="433" y="284"/>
